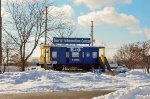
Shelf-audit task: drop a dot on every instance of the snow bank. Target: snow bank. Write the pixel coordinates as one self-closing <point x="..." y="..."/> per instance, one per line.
<point x="128" y="93"/>
<point x="31" y="81"/>
<point x="138" y="86"/>
<point x="41" y="80"/>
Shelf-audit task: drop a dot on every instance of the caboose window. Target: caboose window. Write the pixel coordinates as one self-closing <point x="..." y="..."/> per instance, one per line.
<point x="54" y="54"/>
<point x="67" y="54"/>
<point x="87" y="54"/>
<point x="82" y="54"/>
<point x="94" y="54"/>
<point x="75" y="54"/>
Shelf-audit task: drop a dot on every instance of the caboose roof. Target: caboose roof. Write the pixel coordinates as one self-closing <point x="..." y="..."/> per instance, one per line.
<point x="71" y="46"/>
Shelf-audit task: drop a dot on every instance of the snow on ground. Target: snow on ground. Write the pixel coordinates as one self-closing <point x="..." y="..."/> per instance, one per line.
<point x="41" y="80"/>
<point x="128" y="93"/>
<point x="138" y="88"/>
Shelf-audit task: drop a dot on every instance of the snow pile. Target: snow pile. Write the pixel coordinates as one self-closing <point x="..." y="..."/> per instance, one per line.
<point x="41" y="80"/>
<point x="134" y="78"/>
<point x="128" y="93"/>
<point x="31" y="81"/>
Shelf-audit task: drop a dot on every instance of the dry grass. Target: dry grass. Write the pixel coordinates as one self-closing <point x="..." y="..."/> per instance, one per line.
<point x="112" y="73"/>
<point x="57" y="95"/>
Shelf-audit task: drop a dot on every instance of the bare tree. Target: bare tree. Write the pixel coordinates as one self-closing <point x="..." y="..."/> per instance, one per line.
<point x="145" y="55"/>
<point x="27" y="22"/>
<point x="66" y="33"/>
<point x="135" y="54"/>
<point x="5" y="54"/>
<point x="8" y="50"/>
<point x="67" y="29"/>
<point x="130" y="55"/>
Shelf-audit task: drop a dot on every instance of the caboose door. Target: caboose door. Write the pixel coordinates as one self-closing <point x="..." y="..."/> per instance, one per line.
<point x="90" y="55"/>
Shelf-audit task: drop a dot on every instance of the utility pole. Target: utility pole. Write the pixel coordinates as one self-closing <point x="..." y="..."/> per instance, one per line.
<point x="0" y="37"/>
<point x="92" y="32"/>
<point x="45" y="65"/>
<point x="46" y="26"/>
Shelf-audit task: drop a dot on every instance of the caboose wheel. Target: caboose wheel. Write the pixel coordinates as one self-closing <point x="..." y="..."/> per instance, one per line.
<point x="58" y="67"/>
<point x="42" y="66"/>
<point x="87" y="69"/>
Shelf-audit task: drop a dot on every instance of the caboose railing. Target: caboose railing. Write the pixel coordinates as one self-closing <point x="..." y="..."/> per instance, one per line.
<point x="44" y="48"/>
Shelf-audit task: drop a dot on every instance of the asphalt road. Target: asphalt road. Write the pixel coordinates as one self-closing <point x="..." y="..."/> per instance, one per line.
<point x="57" y="95"/>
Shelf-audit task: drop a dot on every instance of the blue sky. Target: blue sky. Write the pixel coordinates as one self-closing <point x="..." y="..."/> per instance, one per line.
<point x="112" y="33"/>
<point x="116" y="22"/>
<point x="140" y="9"/>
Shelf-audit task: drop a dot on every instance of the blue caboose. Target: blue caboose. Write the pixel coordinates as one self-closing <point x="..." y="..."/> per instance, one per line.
<point x="60" y="56"/>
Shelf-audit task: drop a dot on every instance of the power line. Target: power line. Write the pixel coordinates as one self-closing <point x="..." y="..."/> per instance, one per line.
<point x="92" y="31"/>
